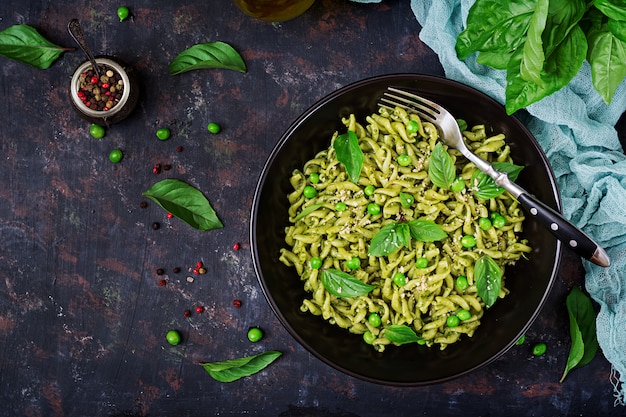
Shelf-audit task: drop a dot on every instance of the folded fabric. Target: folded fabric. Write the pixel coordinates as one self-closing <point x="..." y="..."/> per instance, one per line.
<point x="576" y="130"/>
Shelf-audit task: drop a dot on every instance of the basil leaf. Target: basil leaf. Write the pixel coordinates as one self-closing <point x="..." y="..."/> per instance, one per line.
<point x="607" y="56"/>
<point x="441" y="169"/>
<point x="349" y="154"/>
<point x="406" y="200"/>
<point x="617" y="28"/>
<point x="389" y="239"/>
<point x="611" y="8"/>
<point x="185" y="202"/>
<point x="207" y="56"/>
<point x="484" y="186"/>
<point x="343" y="285"/>
<point x="426" y="231"/>
<point x="582" y="322"/>
<point x="401" y="334"/>
<point x="234" y="369"/>
<point x="307" y="211"/>
<point x="533" y="56"/>
<point x="22" y="43"/>
<point x="488" y="276"/>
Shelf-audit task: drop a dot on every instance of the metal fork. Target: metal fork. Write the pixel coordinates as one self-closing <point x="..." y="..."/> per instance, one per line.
<point x="451" y="135"/>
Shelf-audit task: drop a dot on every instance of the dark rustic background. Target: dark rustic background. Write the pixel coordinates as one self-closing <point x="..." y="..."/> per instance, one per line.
<point x="82" y="317"/>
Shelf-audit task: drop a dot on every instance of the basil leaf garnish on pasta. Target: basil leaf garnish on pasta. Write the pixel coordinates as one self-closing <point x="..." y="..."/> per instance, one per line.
<point x="307" y="211"/>
<point x="343" y="285"/>
<point x="441" y="169"/>
<point x="485" y="187"/>
<point x="488" y="276"/>
<point x="389" y="239"/>
<point x="349" y="154"/>
<point x="401" y="334"/>
<point x="426" y="231"/>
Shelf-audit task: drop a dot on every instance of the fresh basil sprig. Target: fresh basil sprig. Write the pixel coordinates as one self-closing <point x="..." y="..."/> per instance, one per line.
<point x="488" y="276"/>
<point x="218" y="55"/>
<point x="185" y="202"/>
<point x="542" y="45"/>
<point x="485" y="187"/>
<point x="234" y="369"/>
<point x="582" y="328"/>
<point x="343" y="285"/>
<point x="22" y="43"/>
<point x="349" y="154"/>
<point x="401" y="334"/>
<point x="441" y="169"/>
<point x="396" y="235"/>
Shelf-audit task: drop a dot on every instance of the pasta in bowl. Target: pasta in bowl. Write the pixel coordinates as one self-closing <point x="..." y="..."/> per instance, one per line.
<point x="395" y="254"/>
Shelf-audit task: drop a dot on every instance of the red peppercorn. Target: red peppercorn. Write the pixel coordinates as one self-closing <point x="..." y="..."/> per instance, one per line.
<point x="170" y="215"/>
<point x="199" y="264"/>
<point x="156" y="225"/>
<point x="156" y="169"/>
<point x="106" y="85"/>
<point x="179" y="148"/>
<point x="143" y="204"/>
<point x="160" y="271"/>
<point x="176" y="270"/>
<point x="187" y="313"/>
<point x="196" y="271"/>
<point x="236" y="246"/>
<point x="199" y="309"/>
<point x="237" y="303"/>
<point x="94" y="80"/>
<point x="162" y="283"/>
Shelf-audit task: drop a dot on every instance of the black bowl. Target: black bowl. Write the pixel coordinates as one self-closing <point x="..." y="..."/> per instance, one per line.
<point x="529" y="281"/>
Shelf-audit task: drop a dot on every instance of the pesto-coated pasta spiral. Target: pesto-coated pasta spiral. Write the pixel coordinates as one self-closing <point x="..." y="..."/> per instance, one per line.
<point x="334" y="226"/>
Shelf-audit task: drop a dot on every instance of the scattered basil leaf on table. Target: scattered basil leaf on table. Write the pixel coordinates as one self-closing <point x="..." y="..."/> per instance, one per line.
<point x="210" y="55"/>
<point x="234" y="369"/>
<point x="22" y="43"/>
<point x="343" y="285"/>
<point x="488" y="276"/>
<point x="185" y="202"/>
<point x="426" y="230"/>
<point x="349" y="154"/>
<point x="401" y="334"/>
<point x="389" y="239"/>
<point x="543" y="43"/>
<point x="441" y="169"/>
<point x="582" y="327"/>
<point x="485" y="187"/>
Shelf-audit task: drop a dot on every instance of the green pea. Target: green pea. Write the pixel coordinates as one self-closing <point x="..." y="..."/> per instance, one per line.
<point x="399" y="279"/>
<point x="314" y="178"/>
<point x="369" y="190"/>
<point x="353" y="263"/>
<point x="412" y="126"/>
<point x="123" y="13"/>
<point x="499" y="221"/>
<point x="468" y="241"/>
<point x="373" y="209"/>
<point x="452" y="321"/>
<point x="341" y="206"/>
<point x="214" y="128"/>
<point x="315" y="262"/>
<point x="493" y="215"/>
<point x="163" y="133"/>
<point x="368" y="337"/>
<point x="462" y="283"/>
<point x="255" y="334"/>
<point x="540" y="349"/>
<point x="97" y="131"/>
<point x="464" y="315"/>
<point x="484" y="223"/>
<point x="309" y="191"/>
<point x="173" y="337"/>
<point x="374" y="319"/>
<point x="421" y="262"/>
<point x="115" y="156"/>
<point x="404" y="160"/>
<point x="457" y="185"/>
<point x="521" y="340"/>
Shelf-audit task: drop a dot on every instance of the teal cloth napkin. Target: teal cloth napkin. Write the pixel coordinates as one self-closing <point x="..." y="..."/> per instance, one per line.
<point x="576" y="130"/>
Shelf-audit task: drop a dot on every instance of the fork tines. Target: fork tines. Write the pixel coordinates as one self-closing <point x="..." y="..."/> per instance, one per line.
<point x="410" y="102"/>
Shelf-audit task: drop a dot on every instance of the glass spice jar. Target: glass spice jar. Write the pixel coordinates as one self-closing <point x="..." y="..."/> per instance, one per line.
<point x="107" y="99"/>
<point x="274" y="10"/>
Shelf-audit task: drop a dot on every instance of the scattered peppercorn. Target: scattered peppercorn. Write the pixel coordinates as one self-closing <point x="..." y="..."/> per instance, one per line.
<point x="176" y="270"/>
<point x="199" y="309"/>
<point x="199" y="264"/>
<point x="170" y="215"/>
<point x="187" y="313"/>
<point x="167" y="167"/>
<point x="156" y="169"/>
<point x="143" y="204"/>
<point x="236" y="246"/>
<point x="201" y="271"/>
<point x="156" y="225"/>
<point x="162" y="283"/>
<point x="179" y="148"/>
<point x="160" y="271"/>
<point x="237" y="303"/>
